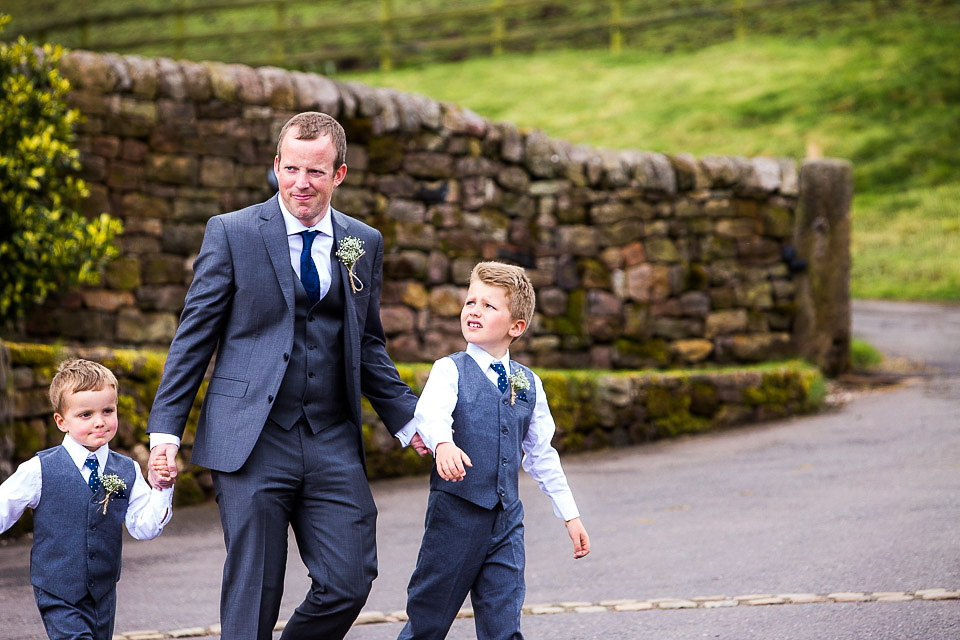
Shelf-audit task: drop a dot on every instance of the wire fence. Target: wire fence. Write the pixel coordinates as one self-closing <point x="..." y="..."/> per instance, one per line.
<point x="322" y="35"/>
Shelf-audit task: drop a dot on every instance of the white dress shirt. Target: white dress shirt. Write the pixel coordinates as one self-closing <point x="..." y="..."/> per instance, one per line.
<point x="319" y="250"/>
<point x="148" y="509"/>
<point x="434" y="421"/>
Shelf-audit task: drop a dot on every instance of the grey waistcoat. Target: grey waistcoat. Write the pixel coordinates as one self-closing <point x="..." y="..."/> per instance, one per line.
<point x="314" y="384"/>
<point x="76" y="548"/>
<point x="491" y="432"/>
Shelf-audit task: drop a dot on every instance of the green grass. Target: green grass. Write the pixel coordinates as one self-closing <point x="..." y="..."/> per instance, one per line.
<point x="864" y="356"/>
<point x="885" y="94"/>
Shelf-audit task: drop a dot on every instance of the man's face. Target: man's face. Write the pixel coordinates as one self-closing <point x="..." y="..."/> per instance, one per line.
<point x="305" y="174"/>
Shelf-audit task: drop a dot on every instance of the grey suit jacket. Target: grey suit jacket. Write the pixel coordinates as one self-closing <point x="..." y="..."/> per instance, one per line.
<point x="241" y="305"/>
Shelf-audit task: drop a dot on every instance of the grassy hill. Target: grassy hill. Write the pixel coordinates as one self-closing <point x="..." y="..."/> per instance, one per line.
<point x="884" y="94"/>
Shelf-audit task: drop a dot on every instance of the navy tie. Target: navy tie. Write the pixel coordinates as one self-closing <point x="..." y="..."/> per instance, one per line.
<point x="308" y="269"/>
<point x="501" y="376"/>
<point x="94" y="480"/>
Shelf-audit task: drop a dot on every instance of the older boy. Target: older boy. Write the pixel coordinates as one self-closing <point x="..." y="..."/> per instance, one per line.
<point x="482" y="411"/>
<point x="77" y="510"/>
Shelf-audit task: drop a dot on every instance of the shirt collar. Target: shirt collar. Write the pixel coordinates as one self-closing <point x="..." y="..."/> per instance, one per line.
<point x="79" y="453"/>
<point x="484" y="359"/>
<point x="294" y="226"/>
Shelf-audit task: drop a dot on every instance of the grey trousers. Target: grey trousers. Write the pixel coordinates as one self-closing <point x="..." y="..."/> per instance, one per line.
<point x="88" y="619"/>
<point x="316" y="483"/>
<point x="467" y="549"/>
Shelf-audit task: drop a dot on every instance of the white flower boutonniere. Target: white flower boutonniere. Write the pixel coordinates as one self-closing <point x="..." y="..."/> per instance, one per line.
<point x="112" y="484"/>
<point x="350" y="250"/>
<point x="518" y="383"/>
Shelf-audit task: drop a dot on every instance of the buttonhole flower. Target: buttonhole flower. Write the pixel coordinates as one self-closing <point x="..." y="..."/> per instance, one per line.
<point x="350" y="250"/>
<point x="518" y="384"/>
<point x="112" y="485"/>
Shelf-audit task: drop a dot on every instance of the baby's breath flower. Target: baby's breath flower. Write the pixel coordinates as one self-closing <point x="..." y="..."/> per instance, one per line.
<point x="349" y="251"/>
<point x="111" y="483"/>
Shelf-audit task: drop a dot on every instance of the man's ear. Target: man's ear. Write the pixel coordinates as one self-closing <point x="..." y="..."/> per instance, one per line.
<point x="59" y="420"/>
<point x="340" y="174"/>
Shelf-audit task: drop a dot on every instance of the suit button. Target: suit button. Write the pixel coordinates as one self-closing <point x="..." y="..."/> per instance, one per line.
<point x="311" y="347"/>
<point x="504" y="430"/>
<point x="93" y="527"/>
<point x="502" y="492"/>
<point x="306" y="403"/>
<point x="311" y="375"/>
<point x="286" y="357"/>
<point x="93" y="555"/>
<point x="269" y="399"/>
<point x="506" y="402"/>
<point x="309" y="318"/>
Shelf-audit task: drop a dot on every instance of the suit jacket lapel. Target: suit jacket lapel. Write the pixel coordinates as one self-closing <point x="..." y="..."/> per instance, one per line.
<point x="274" y="233"/>
<point x="351" y="330"/>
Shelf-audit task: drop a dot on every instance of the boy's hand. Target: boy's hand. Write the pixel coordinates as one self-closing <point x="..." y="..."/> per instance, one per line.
<point x="451" y="461"/>
<point x="162" y="466"/>
<point x="581" y="541"/>
<point x="159" y="468"/>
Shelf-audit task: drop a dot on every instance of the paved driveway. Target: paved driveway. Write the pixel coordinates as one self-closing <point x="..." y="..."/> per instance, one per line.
<point x="844" y="524"/>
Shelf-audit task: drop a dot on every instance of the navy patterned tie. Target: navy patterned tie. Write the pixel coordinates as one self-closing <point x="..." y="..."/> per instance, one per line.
<point x="501" y="376"/>
<point x="94" y="480"/>
<point x="308" y="269"/>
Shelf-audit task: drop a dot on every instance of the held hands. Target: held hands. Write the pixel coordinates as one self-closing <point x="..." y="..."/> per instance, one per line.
<point x="162" y="466"/>
<point x="418" y="445"/>
<point x="451" y="461"/>
<point x="581" y="541"/>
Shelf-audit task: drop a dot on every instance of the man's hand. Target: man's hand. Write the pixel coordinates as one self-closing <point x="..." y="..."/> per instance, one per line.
<point x="451" y="461"/>
<point x="163" y="482"/>
<point x="581" y="541"/>
<point x="418" y="445"/>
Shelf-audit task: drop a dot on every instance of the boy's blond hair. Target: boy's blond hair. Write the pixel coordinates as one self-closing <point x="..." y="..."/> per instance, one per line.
<point x="74" y="376"/>
<point x="520" y="296"/>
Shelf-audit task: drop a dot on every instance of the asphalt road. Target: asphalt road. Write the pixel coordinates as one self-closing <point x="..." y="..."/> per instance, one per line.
<point x="862" y="498"/>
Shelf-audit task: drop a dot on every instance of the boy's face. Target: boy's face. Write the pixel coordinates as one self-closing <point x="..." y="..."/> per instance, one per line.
<point x="486" y="320"/>
<point x="90" y="417"/>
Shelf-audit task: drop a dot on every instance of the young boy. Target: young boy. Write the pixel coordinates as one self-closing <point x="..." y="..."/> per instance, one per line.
<point x="81" y="493"/>
<point x="483" y="412"/>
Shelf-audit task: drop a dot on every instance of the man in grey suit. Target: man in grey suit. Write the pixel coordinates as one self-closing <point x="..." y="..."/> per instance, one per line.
<point x="296" y="328"/>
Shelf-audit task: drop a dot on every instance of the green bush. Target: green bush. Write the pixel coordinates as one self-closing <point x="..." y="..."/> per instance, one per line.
<point x="45" y="244"/>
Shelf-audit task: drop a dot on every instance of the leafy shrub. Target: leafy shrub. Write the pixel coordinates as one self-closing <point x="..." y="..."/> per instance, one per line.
<point x="45" y="244"/>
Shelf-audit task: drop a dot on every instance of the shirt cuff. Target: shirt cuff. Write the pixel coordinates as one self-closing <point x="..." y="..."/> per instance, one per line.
<point x="405" y="435"/>
<point x="434" y="437"/>
<point x="161" y="502"/>
<point x="163" y="438"/>
<point x="565" y="507"/>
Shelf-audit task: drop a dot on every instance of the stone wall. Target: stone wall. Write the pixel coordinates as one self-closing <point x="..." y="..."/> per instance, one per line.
<point x="592" y="409"/>
<point x="639" y="259"/>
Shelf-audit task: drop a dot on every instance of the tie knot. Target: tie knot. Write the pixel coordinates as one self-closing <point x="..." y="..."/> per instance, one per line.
<point x="308" y="237"/>
<point x="499" y="368"/>
<point x="91" y="463"/>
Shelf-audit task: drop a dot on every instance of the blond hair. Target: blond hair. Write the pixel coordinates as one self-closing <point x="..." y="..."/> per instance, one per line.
<point x="311" y="125"/>
<point x="520" y="296"/>
<point x="74" y="376"/>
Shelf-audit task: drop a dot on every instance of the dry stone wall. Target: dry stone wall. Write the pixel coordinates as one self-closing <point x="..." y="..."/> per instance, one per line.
<point x="639" y="259"/>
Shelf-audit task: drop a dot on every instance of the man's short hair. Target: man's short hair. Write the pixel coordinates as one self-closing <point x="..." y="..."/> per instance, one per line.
<point x="74" y="376"/>
<point x="520" y="296"/>
<point x="311" y="125"/>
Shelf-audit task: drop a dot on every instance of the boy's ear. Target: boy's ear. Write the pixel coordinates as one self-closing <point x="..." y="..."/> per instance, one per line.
<point x="519" y="326"/>
<point x="59" y="420"/>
